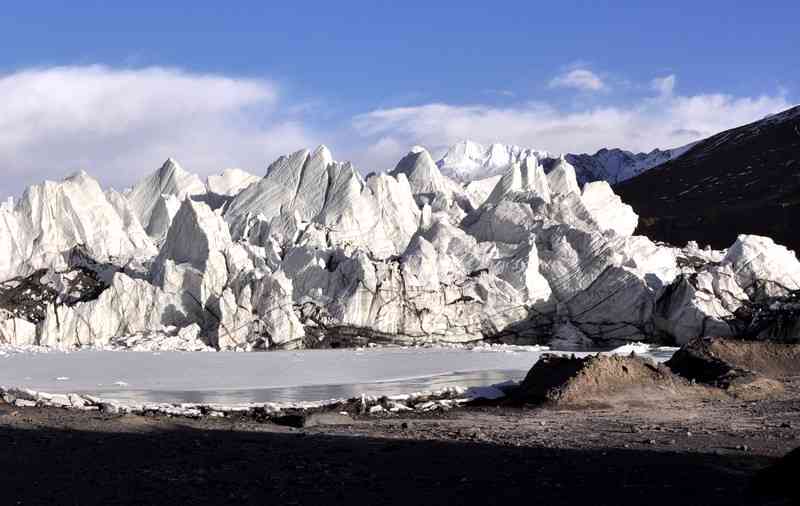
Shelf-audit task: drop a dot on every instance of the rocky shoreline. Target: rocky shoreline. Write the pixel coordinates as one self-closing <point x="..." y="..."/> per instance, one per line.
<point x="421" y="402"/>
<point x="704" y="368"/>
<point x="684" y="451"/>
<point x="604" y="429"/>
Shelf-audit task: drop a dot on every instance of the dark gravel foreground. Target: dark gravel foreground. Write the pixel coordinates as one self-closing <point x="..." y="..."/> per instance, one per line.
<point x="681" y="452"/>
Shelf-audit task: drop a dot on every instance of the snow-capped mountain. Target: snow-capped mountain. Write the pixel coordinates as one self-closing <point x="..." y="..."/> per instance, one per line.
<point x="617" y="165"/>
<point x="230" y="182"/>
<point x="468" y="161"/>
<point x="743" y="180"/>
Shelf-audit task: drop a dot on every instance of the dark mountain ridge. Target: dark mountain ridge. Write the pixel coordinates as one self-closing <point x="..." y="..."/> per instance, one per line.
<point x="741" y="181"/>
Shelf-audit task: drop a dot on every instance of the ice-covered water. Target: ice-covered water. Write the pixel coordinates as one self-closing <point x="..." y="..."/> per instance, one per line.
<point x="238" y="378"/>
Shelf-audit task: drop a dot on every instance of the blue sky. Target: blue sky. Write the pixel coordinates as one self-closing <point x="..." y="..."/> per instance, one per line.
<point x="114" y="89"/>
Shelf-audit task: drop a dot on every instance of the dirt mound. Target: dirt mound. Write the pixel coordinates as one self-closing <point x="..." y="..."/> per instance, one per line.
<point x="712" y="356"/>
<point x="601" y="379"/>
<point x="703" y="368"/>
<point x="746" y="369"/>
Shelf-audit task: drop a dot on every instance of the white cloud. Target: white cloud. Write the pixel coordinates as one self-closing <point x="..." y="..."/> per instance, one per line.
<point x="579" y="79"/>
<point x="664" y="121"/>
<point x="119" y="124"/>
<point x="664" y="85"/>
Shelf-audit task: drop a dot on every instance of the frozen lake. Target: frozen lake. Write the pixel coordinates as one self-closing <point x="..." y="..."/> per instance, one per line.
<point x="282" y="376"/>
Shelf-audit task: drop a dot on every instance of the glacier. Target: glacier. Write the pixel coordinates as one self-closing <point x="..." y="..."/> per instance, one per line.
<point x="316" y="255"/>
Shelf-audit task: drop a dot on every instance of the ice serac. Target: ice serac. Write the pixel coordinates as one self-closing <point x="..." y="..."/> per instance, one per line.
<point x="617" y="306"/>
<point x="281" y="188"/>
<point x="701" y="304"/>
<point x="750" y="292"/>
<point x="186" y="279"/>
<point x="534" y="178"/>
<point x="132" y="227"/>
<point x="657" y="264"/>
<point x="562" y="178"/>
<point x="422" y="173"/>
<point x="379" y="215"/>
<point x="604" y="282"/>
<point x="52" y="218"/>
<point x="128" y="306"/>
<point x="14" y="244"/>
<point x="527" y="176"/>
<point x="192" y="264"/>
<point x="310" y="191"/>
<point x="444" y="287"/>
<point x="608" y="209"/>
<point x="763" y="268"/>
<point x="225" y="287"/>
<point x="195" y="235"/>
<point x="196" y="263"/>
<point x="257" y="312"/>
<point x="160" y="220"/>
<point x="430" y="187"/>
<point x="479" y="190"/>
<point x="170" y="179"/>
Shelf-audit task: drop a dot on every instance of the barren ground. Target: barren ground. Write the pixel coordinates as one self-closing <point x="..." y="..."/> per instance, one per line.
<point x="678" y="452"/>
